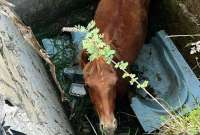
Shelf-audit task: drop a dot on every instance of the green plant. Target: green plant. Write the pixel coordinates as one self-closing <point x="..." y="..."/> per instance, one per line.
<point x="93" y="41"/>
<point x="95" y="46"/>
<point x="190" y="124"/>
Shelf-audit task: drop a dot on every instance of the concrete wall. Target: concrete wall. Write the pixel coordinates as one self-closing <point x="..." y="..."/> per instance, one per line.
<point x="28" y="99"/>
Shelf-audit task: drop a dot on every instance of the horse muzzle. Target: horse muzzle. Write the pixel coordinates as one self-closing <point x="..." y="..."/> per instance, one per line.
<point x="108" y="128"/>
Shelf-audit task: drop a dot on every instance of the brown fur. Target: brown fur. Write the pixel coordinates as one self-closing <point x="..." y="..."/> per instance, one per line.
<point x="124" y="24"/>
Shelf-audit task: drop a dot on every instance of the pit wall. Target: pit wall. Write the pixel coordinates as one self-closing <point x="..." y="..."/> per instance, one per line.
<point x="51" y="15"/>
<point x="174" y="16"/>
<point x="178" y="17"/>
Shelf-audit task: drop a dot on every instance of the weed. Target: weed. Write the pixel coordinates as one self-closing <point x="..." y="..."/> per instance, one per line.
<point x="190" y="124"/>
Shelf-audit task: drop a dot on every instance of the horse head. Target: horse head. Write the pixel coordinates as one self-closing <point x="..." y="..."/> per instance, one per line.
<point x="101" y="79"/>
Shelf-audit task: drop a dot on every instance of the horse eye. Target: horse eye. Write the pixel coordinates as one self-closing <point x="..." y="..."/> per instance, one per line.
<point x="86" y="86"/>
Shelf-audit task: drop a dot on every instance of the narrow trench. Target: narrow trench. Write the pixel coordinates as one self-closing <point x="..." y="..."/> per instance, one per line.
<point x="83" y="109"/>
<point x="127" y="121"/>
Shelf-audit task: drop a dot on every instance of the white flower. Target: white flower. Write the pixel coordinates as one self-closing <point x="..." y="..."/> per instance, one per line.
<point x="195" y="48"/>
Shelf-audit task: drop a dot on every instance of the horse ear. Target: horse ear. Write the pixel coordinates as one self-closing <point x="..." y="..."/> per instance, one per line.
<point x="84" y="58"/>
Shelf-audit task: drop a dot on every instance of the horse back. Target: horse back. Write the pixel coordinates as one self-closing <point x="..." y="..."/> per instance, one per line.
<point x="124" y="25"/>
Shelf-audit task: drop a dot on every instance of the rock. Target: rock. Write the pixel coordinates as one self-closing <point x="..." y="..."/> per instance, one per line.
<point x="178" y="18"/>
<point x="77" y="90"/>
<point x="28" y="98"/>
<point x="49" y="16"/>
<point x="49" y="47"/>
<point x="43" y="11"/>
<point x="74" y="74"/>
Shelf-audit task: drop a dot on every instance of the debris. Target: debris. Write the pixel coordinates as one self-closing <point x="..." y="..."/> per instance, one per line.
<point x="77" y="90"/>
<point x="49" y="47"/>
<point x="177" y="87"/>
<point x="74" y="74"/>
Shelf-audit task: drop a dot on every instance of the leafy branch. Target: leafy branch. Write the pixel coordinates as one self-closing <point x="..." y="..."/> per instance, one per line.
<point x="95" y="46"/>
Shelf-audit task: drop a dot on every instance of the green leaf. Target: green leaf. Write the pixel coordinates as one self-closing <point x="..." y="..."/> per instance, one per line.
<point x="123" y="65"/>
<point x="163" y="118"/>
<point x="109" y="61"/>
<point x="132" y="76"/>
<point x="144" y="84"/>
<point x="96" y="47"/>
<point x="125" y="75"/>
<point x="91" y="25"/>
<point x="131" y="82"/>
<point x="117" y="65"/>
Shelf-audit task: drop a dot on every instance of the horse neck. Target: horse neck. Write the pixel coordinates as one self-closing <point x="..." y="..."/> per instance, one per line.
<point x="118" y="3"/>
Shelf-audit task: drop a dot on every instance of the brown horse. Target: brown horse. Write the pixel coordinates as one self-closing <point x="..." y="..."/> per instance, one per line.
<point x="124" y="25"/>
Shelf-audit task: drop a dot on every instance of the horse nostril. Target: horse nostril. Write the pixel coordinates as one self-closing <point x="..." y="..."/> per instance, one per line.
<point x="115" y="123"/>
<point x="101" y="127"/>
<point x="108" y="129"/>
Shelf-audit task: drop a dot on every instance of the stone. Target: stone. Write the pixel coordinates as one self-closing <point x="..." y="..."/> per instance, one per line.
<point x="77" y="90"/>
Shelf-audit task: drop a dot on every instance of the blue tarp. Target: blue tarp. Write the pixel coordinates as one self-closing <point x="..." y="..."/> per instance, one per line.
<point x="173" y="81"/>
